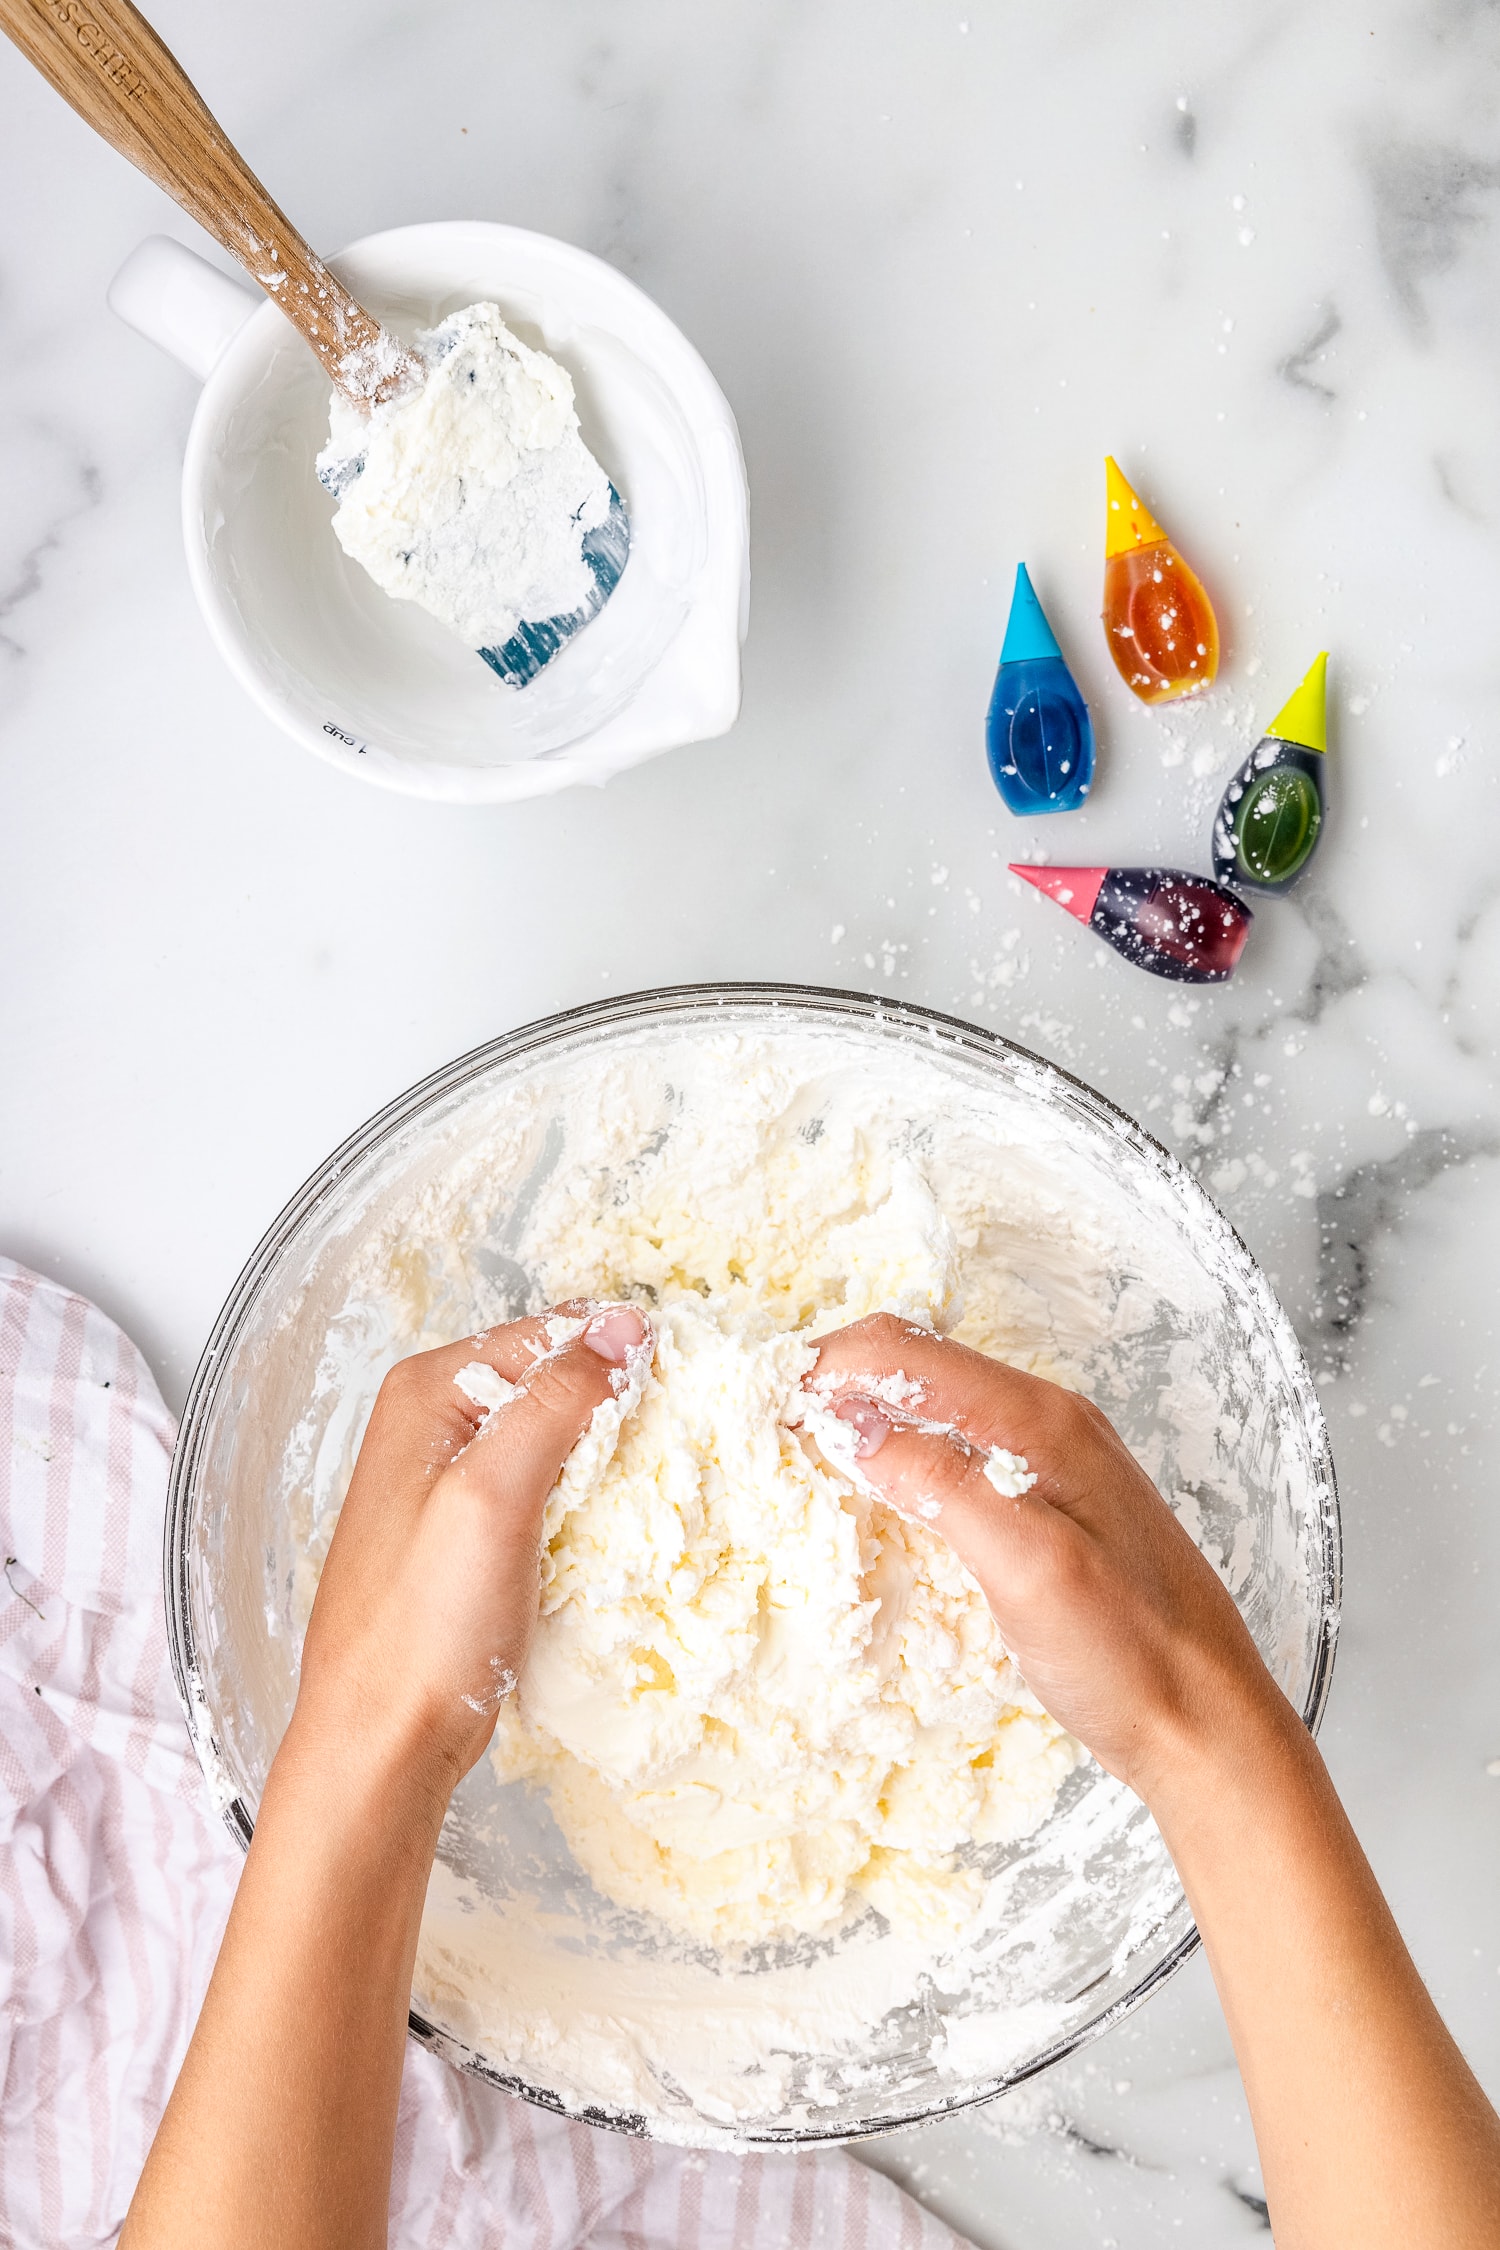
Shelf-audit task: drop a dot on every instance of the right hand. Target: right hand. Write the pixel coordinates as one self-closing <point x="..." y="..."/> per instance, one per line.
<point x="1119" y="1625"/>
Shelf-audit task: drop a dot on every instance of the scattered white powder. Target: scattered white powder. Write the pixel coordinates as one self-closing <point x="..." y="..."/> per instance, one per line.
<point x="473" y="493"/>
<point x="1008" y="1472"/>
<point x="502" y="1684"/>
<point x="221" y="1789"/>
<point x="485" y="1385"/>
<point x="379" y="364"/>
<point x="838" y="1439"/>
<point x="757" y="1700"/>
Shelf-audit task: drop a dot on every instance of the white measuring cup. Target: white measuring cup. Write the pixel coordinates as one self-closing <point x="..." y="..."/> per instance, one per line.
<point x="377" y="686"/>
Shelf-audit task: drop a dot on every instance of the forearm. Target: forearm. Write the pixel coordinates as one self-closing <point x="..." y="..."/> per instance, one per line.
<point x="1372" y="2130"/>
<point x="281" y="2127"/>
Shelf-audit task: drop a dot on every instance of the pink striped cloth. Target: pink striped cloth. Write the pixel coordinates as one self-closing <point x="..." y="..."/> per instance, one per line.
<point x="115" y="1879"/>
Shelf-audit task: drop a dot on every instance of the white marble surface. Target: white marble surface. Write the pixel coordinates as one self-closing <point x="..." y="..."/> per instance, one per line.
<point x="942" y="258"/>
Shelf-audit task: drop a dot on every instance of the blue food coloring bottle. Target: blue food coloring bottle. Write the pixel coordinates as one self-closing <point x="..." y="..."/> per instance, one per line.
<point x="1038" y="734"/>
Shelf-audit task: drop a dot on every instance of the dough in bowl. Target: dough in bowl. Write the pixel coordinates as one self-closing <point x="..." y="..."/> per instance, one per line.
<point x="758" y="1699"/>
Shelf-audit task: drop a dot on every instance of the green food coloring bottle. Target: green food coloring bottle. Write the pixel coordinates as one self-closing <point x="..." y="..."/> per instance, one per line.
<point x="1271" y="816"/>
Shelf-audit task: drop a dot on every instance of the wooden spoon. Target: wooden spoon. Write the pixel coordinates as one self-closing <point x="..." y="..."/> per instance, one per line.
<point x="106" y="61"/>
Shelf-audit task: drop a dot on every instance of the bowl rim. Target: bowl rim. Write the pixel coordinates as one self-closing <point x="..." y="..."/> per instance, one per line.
<point x="664" y="1002"/>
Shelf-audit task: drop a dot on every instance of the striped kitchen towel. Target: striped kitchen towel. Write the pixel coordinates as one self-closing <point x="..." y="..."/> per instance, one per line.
<point x="115" y="1879"/>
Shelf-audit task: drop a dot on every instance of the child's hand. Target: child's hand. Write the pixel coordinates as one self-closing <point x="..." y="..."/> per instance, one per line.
<point x="428" y="1598"/>
<point x="1118" y="1623"/>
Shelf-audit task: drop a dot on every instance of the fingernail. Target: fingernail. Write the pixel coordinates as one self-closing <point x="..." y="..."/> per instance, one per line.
<point x="616" y="1334"/>
<point x="873" y="1426"/>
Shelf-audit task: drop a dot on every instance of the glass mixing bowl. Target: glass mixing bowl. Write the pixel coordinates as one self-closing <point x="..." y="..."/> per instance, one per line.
<point x="1095" y="1879"/>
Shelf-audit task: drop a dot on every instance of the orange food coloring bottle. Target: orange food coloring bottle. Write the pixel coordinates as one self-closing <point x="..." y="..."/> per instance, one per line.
<point x="1159" y="622"/>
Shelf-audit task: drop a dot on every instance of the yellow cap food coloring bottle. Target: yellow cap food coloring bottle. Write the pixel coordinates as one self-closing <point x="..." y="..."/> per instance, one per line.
<point x="1159" y="622"/>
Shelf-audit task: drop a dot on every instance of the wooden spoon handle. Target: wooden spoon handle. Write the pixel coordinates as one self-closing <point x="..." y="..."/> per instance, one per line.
<point x="106" y="61"/>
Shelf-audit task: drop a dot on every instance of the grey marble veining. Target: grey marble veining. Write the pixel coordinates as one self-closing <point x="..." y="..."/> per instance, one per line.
<point x="942" y="260"/>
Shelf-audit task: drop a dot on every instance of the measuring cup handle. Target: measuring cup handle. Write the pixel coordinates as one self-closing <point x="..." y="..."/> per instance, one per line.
<point x="178" y="300"/>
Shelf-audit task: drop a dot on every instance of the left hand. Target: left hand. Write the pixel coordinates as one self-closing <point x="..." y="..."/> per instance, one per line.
<point x="428" y="1598"/>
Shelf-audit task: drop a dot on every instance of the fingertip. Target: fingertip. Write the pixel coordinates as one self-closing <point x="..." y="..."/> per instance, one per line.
<point x="617" y="1333"/>
<point x="918" y="1472"/>
<point x="871" y="1427"/>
